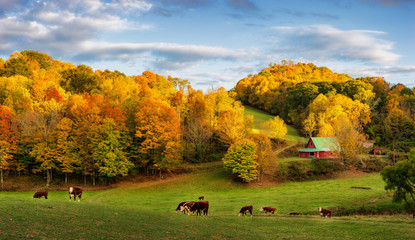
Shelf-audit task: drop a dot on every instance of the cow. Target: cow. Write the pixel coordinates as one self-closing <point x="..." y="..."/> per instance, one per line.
<point x="75" y="192"/>
<point x="198" y="207"/>
<point x="268" y="209"/>
<point x="294" y="213"/>
<point x="325" y="212"/>
<point x="245" y="209"/>
<point x="181" y="208"/>
<point x="201" y="198"/>
<point x="40" y="194"/>
<point x="186" y="206"/>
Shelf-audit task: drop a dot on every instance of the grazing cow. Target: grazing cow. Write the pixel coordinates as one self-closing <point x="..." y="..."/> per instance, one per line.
<point x="294" y="213"/>
<point x="201" y="198"/>
<point x="186" y="206"/>
<point x="325" y="212"/>
<point x="40" y="194"/>
<point x="268" y="209"/>
<point x="181" y="208"/>
<point x="245" y="209"/>
<point x="75" y="192"/>
<point x="199" y="206"/>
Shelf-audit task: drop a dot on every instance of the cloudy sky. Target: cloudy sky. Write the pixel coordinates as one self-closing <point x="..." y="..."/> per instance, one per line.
<point x="215" y="43"/>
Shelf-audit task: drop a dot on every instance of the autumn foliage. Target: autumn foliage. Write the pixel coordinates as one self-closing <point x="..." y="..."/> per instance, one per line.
<point x="58" y="119"/>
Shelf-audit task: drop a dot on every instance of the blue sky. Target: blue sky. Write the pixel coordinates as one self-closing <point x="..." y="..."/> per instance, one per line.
<point x="215" y="43"/>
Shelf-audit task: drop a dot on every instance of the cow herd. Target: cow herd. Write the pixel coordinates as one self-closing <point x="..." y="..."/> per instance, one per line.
<point x="191" y="207"/>
<point x="73" y="192"/>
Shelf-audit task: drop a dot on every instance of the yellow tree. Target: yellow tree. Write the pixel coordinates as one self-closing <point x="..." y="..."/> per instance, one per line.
<point x="266" y="158"/>
<point x="349" y="139"/>
<point x="231" y="127"/>
<point x="8" y="140"/>
<point x="158" y="131"/>
<point x="65" y="153"/>
<point x="275" y="128"/>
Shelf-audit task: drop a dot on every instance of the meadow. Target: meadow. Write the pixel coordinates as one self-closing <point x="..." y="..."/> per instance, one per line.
<point x="147" y="211"/>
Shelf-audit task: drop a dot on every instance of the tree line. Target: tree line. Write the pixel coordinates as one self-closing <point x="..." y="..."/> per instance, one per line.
<point x="60" y="119"/>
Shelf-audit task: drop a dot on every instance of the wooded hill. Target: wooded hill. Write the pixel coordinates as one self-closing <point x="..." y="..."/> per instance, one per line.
<point x="60" y="119"/>
<point x="316" y="100"/>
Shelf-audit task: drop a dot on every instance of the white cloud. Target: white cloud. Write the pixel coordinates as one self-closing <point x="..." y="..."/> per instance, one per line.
<point x="176" y="53"/>
<point x="327" y="42"/>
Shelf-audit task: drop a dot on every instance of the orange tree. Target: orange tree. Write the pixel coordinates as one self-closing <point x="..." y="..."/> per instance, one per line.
<point x="158" y="131"/>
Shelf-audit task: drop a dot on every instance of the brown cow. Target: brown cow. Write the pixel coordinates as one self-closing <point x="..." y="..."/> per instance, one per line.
<point x="199" y="206"/>
<point x="325" y="212"/>
<point x="268" y="209"/>
<point x="245" y="209"/>
<point x="294" y="213"/>
<point x="182" y="207"/>
<point x="75" y="192"/>
<point x="40" y="194"/>
<point x="201" y="198"/>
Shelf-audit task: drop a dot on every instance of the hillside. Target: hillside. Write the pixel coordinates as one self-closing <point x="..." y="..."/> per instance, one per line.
<point x="147" y="211"/>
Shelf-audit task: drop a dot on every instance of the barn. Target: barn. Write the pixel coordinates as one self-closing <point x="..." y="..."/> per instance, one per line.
<point x="319" y="147"/>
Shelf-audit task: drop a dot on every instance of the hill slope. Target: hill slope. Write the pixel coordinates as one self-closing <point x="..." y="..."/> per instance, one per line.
<point x="147" y="211"/>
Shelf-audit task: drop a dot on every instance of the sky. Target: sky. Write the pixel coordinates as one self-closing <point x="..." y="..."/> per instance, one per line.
<point x="215" y="43"/>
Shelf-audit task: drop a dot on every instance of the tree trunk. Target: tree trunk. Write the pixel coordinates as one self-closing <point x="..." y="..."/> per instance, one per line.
<point x="93" y="178"/>
<point x="48" y="177"/>
<point x="66" y="178"/>
<point x="2" y="187"/>
<point x="160" y="174"/>
<point x="84" y="175"/>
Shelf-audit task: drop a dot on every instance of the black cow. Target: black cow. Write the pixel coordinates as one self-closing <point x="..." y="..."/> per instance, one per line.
<point x="199" y="206"/>
<point x="75" y="192"/>
<point x="40" y="194"/>
<point x="245" y="209"/>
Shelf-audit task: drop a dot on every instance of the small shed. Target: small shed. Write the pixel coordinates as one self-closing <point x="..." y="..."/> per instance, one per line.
<point x="378" y="151"/>
<point x="319" y="147"/>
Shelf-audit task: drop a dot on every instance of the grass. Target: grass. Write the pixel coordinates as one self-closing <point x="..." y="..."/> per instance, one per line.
<point x="146" y="211"/>
<point x="260" y="117"/>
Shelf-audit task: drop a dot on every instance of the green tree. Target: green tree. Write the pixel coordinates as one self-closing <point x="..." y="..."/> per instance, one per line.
<point x="240" y="160"/>
<point x="108" y="151"/>
<point x="401" y="180"/>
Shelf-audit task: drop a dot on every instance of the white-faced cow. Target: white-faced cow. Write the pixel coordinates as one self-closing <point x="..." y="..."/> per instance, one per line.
<point x="186" y="206"/>
<point x="198" y="207"/>
<point x="40" y="194"/>
<point x="325" y="212"/>
<point x="181" y="207"/>
<point x="75" y="192"/>
<point x="268" y="210"/>
<point x="244" y="210"/>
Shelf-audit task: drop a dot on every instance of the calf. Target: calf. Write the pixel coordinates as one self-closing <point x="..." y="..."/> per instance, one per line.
<point x="40" y="194"/>
<point x="294" y="213"/>
<point x="201" y="198"/>
<point x="325" y="212"/>
<point x="245" y="209"/>
<point x="198" y="207"/>
<point x="268" y="209"/>
<point x="75" y="192"/>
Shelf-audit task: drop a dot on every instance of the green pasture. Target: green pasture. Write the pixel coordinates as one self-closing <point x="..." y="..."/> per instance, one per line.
<point x="147" y="211"/>
<point x="260" y="117"/>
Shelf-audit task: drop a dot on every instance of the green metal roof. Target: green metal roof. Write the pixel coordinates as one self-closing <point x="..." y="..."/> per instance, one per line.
<point x="323" y="144"/>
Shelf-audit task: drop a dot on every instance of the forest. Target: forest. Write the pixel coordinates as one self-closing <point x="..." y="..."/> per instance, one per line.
<point x="58" y="119"/>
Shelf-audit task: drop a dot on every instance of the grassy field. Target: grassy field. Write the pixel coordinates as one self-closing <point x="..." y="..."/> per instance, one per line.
<point x="260" y="117"/>
<point x="146" y="211"/>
